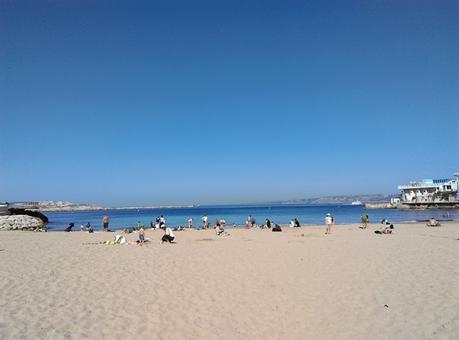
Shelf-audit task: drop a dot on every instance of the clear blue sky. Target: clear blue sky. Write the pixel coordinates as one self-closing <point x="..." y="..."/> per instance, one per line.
<point x="176" y="102"/>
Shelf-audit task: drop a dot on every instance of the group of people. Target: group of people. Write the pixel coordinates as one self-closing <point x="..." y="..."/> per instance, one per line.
<point x="168" y="235"/>
<point x="160" y="223"/>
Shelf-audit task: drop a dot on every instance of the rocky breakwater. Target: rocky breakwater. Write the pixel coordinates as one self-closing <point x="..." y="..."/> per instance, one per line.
<point x="22" y="222"/>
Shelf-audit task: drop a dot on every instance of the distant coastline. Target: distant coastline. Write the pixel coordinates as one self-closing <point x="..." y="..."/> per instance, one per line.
<point x="340" y="199"/>
<point x="56" y="206"/>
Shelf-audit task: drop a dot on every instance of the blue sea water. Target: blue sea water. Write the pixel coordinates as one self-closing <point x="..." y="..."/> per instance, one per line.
<point x="237" y="215"/>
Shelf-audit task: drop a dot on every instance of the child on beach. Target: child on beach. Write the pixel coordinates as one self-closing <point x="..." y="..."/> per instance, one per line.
<point x="141" y="236"/>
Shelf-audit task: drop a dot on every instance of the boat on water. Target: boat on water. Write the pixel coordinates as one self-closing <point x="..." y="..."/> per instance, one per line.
<point x="357" y="202"/>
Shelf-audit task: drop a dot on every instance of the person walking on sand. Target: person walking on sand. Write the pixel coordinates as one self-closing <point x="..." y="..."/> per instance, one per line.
<point x="328" y="222"/>
<point x="106" y="221"/>
<point x="364" y="217"/>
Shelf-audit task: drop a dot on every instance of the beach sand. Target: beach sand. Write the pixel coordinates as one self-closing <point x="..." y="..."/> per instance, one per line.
<point x="254" y="284"/>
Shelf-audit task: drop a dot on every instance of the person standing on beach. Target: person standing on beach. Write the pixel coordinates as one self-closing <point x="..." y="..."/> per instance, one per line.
<point x="205" y="221"/>
<point x="328" y="222"/>
<point x="141" y="236"/>
<point x="364" y="218"/>
<point x="106" y="221"/>
<point x="190" y="223"/>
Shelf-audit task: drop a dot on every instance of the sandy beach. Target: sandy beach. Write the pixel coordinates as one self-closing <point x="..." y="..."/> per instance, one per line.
<point x="254" y="284"/>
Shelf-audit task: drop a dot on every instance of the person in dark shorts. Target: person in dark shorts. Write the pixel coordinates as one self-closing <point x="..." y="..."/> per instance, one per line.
<point x="141" y="236"/>
<point x="106" y="221"/>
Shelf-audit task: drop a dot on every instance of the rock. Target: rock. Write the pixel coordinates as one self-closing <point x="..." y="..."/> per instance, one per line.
<point x="38" y="214"/>
<point x="22" y="222"/>
<point x="379" y="206"/>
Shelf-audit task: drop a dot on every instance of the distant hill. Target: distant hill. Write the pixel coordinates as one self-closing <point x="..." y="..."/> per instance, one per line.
<point x="69" y="206"/>
<point x="65" y="206"/>
<point x="342" y="199"/>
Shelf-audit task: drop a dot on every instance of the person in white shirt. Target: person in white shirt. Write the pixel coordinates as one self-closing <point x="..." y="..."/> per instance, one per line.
<point x="328" y="222"/>
<point x="205" y="221"/>
<point x="168" y="236"/>
<point x="190" y="223"/>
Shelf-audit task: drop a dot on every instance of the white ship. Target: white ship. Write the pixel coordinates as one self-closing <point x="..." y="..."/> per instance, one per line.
<point x="357" y="202"/>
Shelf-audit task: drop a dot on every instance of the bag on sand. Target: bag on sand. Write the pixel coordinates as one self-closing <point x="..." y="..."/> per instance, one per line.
<point x="120" y="239"/>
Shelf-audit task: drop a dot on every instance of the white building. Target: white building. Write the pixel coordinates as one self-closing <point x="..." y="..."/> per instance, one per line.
<point x="430" y="191"/>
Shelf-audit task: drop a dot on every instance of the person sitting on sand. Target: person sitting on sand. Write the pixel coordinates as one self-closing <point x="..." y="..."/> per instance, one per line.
<point x="89" y="228"/>
<point x="433" y="223"/>
<point x="386" y="229"/>
<point x="168" y="235"/>
<point x="291" y="223"/>
<point x="69" y="228"/>
<point x="220" y="231"/>
<point x="276" y="228"/>
<point x="141" y="236"/>
<point x="268" y="223"/>
<point x="296" y="223"/>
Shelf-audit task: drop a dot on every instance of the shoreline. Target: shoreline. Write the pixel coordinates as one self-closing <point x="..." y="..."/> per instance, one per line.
<point x="243" y="227"/>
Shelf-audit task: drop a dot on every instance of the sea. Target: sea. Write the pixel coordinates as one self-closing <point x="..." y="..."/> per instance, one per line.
<point x="236" y="215"/>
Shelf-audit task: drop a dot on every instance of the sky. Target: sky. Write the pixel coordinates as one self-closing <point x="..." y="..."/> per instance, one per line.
<point x="210" y="102"/>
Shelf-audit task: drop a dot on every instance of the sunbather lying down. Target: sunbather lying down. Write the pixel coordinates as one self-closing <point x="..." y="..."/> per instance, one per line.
<point x="385" y="230"/>
<point x="433" y="223"/>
